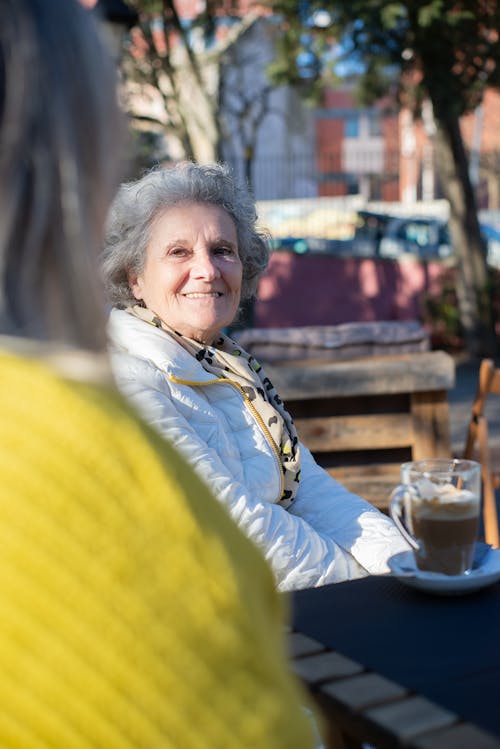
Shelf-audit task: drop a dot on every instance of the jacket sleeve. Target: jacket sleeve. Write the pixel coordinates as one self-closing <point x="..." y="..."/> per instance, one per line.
<point x="300" y="555"/>
<point x="358" y="527"/>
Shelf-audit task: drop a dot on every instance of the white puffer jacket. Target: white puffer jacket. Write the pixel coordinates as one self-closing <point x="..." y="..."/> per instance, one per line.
<point x="327" y="535"/>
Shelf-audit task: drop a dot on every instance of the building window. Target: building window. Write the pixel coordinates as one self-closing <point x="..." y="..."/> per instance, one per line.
<point x="351" y="126"/>
<point x="374" y="125"/>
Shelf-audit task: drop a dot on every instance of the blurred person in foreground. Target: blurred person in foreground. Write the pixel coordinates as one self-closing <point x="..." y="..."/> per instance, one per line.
<point x="182" y="251"/>
<point x="133" y="613"/>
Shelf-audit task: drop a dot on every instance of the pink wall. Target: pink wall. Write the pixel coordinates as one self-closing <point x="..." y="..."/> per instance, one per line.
<point x="327" y="290"/>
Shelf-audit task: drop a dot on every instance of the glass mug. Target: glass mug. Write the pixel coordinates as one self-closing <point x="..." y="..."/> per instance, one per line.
<point x="436" y="508"/>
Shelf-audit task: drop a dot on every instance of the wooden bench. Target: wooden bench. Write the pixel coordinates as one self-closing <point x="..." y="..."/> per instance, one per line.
<point x="362" y="418"/>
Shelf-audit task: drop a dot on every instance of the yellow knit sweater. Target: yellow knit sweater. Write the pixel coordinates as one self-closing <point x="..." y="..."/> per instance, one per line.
<point x="133" y="613"/>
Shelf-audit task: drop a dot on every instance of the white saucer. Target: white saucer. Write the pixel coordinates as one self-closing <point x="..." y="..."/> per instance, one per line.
<point x="403" y="567"/>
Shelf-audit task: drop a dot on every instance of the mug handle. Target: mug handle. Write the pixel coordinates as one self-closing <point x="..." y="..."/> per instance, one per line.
<point x="396" y="511"/>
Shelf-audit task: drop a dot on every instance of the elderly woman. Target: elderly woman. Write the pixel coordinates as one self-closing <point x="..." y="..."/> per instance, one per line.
<point x="182" y="252"/>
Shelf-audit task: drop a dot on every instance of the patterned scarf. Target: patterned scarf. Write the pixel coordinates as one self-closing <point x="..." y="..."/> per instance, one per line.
<point x="225" y="359"/>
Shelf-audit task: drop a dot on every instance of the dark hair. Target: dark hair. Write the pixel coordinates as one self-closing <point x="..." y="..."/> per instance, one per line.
<point x="59" y="129"/>
<point x="138" y="205"/>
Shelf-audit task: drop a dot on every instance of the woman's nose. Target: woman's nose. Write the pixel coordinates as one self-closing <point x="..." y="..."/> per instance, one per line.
<point x="205" y="266"/>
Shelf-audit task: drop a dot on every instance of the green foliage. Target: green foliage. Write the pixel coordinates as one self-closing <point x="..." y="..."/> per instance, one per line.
<point x="375" y="83"/>
<point x="440" y="311"/>
<point x="391" y="15"/>
<point x="429" y="14"/>
<point x="149" y="7"/>
<point x="280" y="71"/>
<point x="446" y="49"/>
<point x="441" y="317"/>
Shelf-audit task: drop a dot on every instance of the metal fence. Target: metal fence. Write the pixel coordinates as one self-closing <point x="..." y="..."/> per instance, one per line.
<point x="274" y="177"/>
<point x="376" y="176"/>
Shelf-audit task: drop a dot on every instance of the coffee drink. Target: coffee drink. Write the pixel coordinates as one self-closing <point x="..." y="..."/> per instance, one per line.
<point x="446" y="526"/>
<point x="436" y="508"/>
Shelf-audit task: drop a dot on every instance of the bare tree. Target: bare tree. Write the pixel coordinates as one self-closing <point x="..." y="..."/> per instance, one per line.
<point x="172" y="74"/>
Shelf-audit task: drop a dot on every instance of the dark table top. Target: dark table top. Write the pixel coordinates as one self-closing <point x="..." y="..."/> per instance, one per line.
<point x="444" y="648"/>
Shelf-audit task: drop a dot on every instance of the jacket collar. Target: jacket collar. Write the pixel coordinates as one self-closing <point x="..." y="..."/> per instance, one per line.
<point x="139" y="338"/>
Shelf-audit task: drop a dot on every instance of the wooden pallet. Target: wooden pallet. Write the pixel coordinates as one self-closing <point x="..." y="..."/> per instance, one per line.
<point x="362" y="418"/>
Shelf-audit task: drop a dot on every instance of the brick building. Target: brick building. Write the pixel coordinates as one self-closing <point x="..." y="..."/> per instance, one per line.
<point x="357" y="148"/>
<point x="481" y="134"/>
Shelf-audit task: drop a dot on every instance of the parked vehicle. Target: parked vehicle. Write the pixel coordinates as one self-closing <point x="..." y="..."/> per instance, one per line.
<point x="429" y="238"/>
<point x="425" y="237"/>
<point x="492" y="237"/>
<point x="370" y="229"/>
<point x="388" y="236"/>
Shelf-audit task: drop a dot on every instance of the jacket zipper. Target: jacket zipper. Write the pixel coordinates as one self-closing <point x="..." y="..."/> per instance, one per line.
<point x="251" y="408"/>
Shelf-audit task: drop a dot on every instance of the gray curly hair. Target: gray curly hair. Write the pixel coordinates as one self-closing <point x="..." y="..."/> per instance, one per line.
<point x="138" y="204"/>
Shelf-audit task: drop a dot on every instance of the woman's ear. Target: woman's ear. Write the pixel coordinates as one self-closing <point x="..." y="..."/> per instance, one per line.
<point x="135" y="285"/>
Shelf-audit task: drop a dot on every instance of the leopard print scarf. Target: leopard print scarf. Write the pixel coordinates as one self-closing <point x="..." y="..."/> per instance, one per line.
<point x="225" y="359"/>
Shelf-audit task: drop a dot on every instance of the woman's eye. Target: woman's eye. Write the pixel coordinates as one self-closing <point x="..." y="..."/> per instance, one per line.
<point x="224" y="251"/>
<point x="177" y="252"/>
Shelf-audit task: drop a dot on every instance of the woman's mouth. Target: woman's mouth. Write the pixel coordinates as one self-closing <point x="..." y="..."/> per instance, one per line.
<point x="203" y="294"/>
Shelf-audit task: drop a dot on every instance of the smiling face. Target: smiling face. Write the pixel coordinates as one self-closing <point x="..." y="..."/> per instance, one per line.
<point x="192" y="274"/>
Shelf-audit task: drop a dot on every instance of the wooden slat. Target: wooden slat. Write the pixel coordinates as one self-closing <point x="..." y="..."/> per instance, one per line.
<point x="361" y="692"/>
<point x="410" y="717"/>
<point x="300" y="645"/>
<point x="366" y="472"/>
<point x="430" y="415"/>
<point x="342" y="703"/>
<point x="370" y="432"/>
<point x="339" y="406"/>
<point x="461" y="736"/>
<point x="406" y="373"/>
<point x="376" y="490"/>
<point x="342" y="729"/>
<point x="369" y="708"/>
<point x="325" y="666"/>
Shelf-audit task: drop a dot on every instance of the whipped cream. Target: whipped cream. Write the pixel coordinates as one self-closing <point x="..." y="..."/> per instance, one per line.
<point x="445" y="498"/>
<point x="427" y="489"/>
